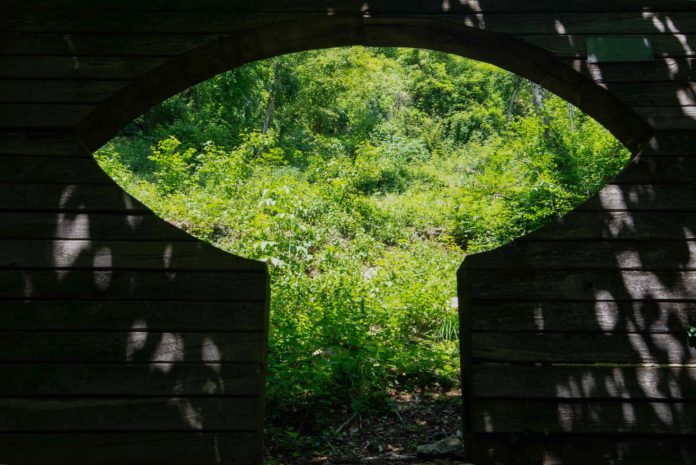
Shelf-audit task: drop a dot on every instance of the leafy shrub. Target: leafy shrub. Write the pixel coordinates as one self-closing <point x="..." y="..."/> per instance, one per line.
<point x="376" y="171"/>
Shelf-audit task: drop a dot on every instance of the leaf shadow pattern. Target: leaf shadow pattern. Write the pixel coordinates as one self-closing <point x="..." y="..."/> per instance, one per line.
<point x="124" y="340"/>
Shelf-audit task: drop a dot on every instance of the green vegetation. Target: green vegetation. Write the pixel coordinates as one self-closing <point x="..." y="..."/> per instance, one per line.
<point x="363" y="177"/>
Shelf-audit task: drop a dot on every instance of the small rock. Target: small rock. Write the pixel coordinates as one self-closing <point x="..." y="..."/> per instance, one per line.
<point x="447" y="447"/>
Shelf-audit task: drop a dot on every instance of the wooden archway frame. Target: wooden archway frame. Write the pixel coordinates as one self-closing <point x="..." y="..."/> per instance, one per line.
<point x="278" y="38"/>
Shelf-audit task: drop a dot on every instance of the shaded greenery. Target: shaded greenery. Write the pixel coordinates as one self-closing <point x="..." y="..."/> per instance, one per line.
<point x="362" y="176"/>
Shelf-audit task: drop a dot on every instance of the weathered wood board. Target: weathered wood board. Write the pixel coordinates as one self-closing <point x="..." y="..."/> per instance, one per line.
<point x="119" y="331"/>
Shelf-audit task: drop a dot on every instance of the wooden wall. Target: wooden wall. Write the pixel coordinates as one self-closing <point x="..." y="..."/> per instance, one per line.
<point x="126" y="341"/>
<point x="123" y="340"/>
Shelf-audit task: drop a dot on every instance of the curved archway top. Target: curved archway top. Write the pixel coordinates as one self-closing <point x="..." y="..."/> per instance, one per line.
<point x="326" y="31"/>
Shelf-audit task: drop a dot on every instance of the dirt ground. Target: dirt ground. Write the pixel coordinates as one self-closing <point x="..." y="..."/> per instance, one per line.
<point x="389" y="438"/>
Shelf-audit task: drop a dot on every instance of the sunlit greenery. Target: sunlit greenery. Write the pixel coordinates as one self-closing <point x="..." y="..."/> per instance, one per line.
<point x="363" y="177"/>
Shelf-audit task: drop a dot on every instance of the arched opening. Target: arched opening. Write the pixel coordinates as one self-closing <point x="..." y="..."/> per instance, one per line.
<point x="173" y="151"/>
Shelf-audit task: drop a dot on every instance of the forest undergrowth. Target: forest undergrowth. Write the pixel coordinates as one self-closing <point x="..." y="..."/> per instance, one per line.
<point x="362" y="177"/>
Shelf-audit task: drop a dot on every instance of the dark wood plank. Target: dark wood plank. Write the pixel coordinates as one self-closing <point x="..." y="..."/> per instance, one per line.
<point x="51" y="170"/>
<point x="132" y="379"/>
<point x="585" y="382"/>
<point x="132" y="285"/>
<point x="598" y="417"/>
<point x="549" y="347"/>
<point x="220" y="21"/>
<point x="582" y="285"/>
<point x="43" y="91"/>
<point x="68" y="197"/>
<point x="26" y="142"/>
<point x="592" y="317"/>
<point x="655" y="94"/>
<point x="676" y="117"/>
<point x="354" y="6"/>
<point x="141" y="448"/>
<point x="642" y="197"/>
<point x="76" y="315"/>
<point x="589" y="225"/>
<point x="114" y="255"/>
<point x="129" y="414"/>
<point x="583" y="255"/>
<point x="123" y="23"/>
<point x="134" y="346"/>
<point x="501" y="449"/>
<point x="84" y="68"/>
<point x="87" y="225"/>
<point x="588" y="22"/>
<point x="39" y="115"/>
<point x="465" y="357"/>
<point x="117" y="44"/>
<point x="663" y="69"/>
<point x="574" y="46"/>
<point x="659" y="169"/>
<point x="672" y="142"/>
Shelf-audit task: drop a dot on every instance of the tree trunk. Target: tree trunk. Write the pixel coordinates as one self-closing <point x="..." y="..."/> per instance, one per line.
<point x="513" y="97"/>
<point x="540" y="105"/>
<point x="270" y="105"/>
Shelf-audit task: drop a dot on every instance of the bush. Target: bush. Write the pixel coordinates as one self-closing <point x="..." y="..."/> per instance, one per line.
<point x="377" y="172"/>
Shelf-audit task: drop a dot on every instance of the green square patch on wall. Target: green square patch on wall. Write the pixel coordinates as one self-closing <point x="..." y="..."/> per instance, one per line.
<point x="619" y="49"/>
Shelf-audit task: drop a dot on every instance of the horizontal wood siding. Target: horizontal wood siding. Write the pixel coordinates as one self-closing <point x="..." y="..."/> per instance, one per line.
<point x="585" y="331"/>
<point x="136" y="448"/>
<point x="119" y="333"/>
<point x="125" y="340"/>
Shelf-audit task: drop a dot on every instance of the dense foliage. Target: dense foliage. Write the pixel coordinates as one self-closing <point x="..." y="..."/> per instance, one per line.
<point x="362" y="176"/>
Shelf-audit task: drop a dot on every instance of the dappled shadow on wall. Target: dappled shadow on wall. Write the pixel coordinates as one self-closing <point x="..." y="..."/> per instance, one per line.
<point x="116" y="322"/>
<point x="598" y="318"/>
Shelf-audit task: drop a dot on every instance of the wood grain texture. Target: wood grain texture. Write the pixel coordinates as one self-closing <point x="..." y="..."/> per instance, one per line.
<point x="642" y="197"/>
<point x="68" y="197"/>
<point x="129" y="414"/>
<point x="138" y="345"/>
<point x="51" y="170"/>
<point x="640" y="225"/>
<point x="32" y="142"/>
<point x="609" y="347"/>
<point x="200" y="286"/>
<point x="672" y="142"/>
<point x="671" y="46"/>
<point x="662" y="70"/>
<point x="73" y="315"/>
<point x="596" y="255"/>
<point x="674" y="117"/>
<point x="655" y="94"/>
<point x="130" y="23"/>
<point x="592" y="317"/>
<point x="149" y="379"/>
<point x="125" y="255"/>
<point x="582" y="285"/>
<point x="662" y="169"/>
<point x="597" y="417"/>
<point x="39" y="115"/>
<point x="355" y="6"/>
<point x="115" y="226"/>
<point x="221" y="22"/>
<point x="116" y="44"/>
<point x="50" y="91"/>
<point x="589" y="382"/>
<point x="82" y="68"/>
<point x="548" y="449"/>
<point x="141" y="448"/>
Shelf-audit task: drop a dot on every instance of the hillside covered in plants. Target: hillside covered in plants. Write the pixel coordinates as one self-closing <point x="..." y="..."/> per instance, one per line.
<point x="363" y="177"/>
